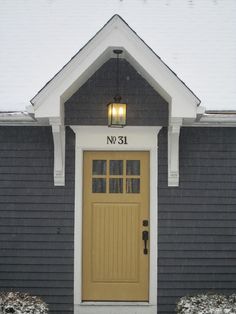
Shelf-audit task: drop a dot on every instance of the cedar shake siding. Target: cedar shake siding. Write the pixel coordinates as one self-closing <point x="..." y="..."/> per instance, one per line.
<point x="37" y="218"/>
<point x="88" y="105"/>
<point x="197" y="220"/>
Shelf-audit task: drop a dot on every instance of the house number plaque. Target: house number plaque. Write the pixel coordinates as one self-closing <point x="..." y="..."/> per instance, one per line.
<point x="121" y="140"/>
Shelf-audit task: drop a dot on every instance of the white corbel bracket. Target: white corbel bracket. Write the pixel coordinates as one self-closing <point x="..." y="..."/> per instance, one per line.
<point x="173" y="152"/>
<point x="58" y="132"/>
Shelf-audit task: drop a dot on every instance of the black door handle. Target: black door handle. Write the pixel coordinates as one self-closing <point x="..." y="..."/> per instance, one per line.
<point x="145" y="239"/>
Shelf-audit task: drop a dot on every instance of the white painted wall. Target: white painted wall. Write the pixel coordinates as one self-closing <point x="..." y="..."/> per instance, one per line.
<point x="196" y="38"/>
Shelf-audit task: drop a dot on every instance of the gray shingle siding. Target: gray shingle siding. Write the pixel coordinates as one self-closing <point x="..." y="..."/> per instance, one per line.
<point x="197" y="220"/>
<point x="88" y="105"/>
<point x="37" y="218"/>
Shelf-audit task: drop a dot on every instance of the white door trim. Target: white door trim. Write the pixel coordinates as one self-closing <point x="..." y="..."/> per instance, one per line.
<point x="129" y="138"/>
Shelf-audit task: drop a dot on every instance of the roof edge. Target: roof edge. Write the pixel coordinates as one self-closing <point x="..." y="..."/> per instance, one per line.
<point x="209" y="118"/>
<point x="114" y="19"/>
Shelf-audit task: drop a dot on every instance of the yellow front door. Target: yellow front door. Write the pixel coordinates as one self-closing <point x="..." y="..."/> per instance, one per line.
<point x="116" y="226"/>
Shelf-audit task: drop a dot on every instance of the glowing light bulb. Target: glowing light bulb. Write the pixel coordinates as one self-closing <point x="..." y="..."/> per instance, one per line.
<point x="114" y="113"/>
<point x="121" y="111"/>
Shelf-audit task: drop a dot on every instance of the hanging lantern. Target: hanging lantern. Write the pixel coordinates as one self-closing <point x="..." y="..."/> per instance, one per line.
<point x="116" y="110"/>
<point x="116" y="114"/>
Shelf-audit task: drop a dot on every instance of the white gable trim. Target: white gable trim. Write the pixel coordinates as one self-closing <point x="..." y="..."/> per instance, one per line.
<point x="116" y="33"/>
<point x="183" y="104"/>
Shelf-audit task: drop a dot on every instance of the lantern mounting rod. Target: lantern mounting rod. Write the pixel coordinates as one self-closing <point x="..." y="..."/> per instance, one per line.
<point x="117" y="97"/>
<point x="117" y="51"/>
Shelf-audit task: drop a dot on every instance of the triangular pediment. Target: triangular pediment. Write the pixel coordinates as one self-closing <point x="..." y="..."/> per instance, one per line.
<point x="48" y="103"/>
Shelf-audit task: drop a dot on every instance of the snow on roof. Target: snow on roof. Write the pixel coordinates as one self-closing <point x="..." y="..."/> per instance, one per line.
<point x="195" y="38"/>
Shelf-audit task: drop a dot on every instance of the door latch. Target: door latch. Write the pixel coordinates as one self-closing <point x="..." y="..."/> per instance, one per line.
<point x="145" y="239"/>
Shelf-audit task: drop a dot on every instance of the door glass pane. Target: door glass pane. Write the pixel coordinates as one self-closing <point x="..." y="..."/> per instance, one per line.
<point x="133" y="167"/>
<point x="116" y="167"/>
<point x="132" y="185"/>
<point x="116" y="186"/>
<point x="99" y="185"/>
<point x="99" y="167"/>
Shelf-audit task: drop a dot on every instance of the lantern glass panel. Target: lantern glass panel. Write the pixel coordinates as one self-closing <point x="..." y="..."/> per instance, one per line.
<point x="116" y="115"/>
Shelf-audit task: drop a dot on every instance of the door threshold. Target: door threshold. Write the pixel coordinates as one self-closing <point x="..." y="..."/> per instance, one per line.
<point x="115" y="308"/>
<point x="113" y="303"/>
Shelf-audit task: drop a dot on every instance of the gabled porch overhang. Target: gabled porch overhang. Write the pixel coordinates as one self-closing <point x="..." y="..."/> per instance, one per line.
<point x="116" y="34"/>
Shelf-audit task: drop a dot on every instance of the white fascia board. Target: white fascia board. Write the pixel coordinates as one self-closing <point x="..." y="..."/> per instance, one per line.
<point x="115" y="34"/>
<point x="62" y="87"/>
<point x="159" y="76"/>
<point x="79" y="68"/>
<point x="163" y="79"/>
<point x="49" y="102"/>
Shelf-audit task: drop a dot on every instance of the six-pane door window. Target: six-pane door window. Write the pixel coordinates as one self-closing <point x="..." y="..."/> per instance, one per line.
<point x="116" y="176"/>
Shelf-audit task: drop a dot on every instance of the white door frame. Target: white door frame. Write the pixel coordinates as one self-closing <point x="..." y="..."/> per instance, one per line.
<point x="103" y="138"/>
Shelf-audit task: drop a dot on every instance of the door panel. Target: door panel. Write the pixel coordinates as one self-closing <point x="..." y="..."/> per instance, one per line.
<point x="116" y="201"/>
<point x="114" y="242"/>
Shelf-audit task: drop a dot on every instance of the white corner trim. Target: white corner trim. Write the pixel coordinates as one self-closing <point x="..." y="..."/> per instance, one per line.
<point x="58" y="132"/>
<point x="138" y="139"/>
<point x="173" y="154"/>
